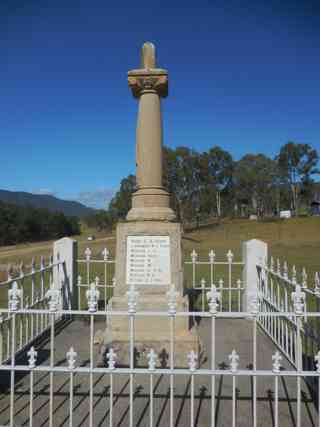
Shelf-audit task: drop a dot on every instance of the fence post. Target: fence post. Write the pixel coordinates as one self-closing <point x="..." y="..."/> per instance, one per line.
<point x="253" y="252"/>
<point x="65" y="275"/>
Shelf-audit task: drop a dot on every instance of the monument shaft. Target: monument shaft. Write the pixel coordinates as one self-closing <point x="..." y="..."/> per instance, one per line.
<point x="149" y="141"/>
<point x="149" y="84"/>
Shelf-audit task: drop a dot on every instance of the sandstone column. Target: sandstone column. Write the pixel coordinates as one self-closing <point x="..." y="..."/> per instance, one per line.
<point x="149" y="84"/>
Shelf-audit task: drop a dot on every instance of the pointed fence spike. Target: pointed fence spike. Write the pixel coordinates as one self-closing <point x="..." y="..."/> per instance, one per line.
<point x="192" y="360"/>
<point x="304" y="278"/>
<point x="213" y="297"/>
<point x="88" y="253"/>
<point x="172" y="296"/>
<point x="14" y="297"/>
<point x="234" y="361"/>
<point x="212" y="256"/>
<point x="32" y="357"/>
<point x="105" y="254"/>
<point x="152" y="359"/>
<point x="71" y="358"/>
<point x="317" y="284"/>
<point x="317" y="360"/>
<point x="111" y="358"/>
<point x="194" y="256"/>
<point x="92" y="295"/>
<point x="229" y="256"/>
<point x="276" y="357"/>
<point x="285" y="270"/>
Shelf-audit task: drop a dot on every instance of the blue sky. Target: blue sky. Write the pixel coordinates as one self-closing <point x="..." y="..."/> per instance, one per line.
<point x="242" y="74"/>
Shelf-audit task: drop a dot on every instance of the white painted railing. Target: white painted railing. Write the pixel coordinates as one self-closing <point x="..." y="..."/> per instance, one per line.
<point x="193" y="371"/>
<point x="32" y="286"/>
<point x="277" y="289"/>
<point x="224" y="274"/>
<point x="93" y="269"/>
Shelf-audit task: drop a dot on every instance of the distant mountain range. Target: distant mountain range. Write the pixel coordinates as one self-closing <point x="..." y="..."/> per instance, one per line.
<point x="44" y="201"/>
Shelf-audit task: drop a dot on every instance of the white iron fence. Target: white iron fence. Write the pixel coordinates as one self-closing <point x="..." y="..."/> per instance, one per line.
<point x="266" y="297"/>
<point x="99" y="269"/>
<point x="224" y="274"/>
<point x="111" y="371"/>
<point x="32" y="287"/>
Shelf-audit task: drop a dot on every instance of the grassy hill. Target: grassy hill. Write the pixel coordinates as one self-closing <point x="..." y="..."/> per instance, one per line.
<point x="296" y="240"/>
<point x="51" y="203"/>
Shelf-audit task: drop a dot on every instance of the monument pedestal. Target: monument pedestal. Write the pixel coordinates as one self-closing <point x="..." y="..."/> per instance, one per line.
<point x="148" y="257"/>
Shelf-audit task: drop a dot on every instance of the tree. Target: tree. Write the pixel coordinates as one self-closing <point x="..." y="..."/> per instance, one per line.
<point x="216" y="171"/>
<point x="255" y="180"/>
<point x="182" y="179"/>
<point x="121" y="202"/>
<point x="297" y="164"/>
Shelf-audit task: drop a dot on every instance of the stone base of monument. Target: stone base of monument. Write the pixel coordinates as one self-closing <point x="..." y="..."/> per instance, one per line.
<point x="151" y="332"/>
<point x="148" y="260"/>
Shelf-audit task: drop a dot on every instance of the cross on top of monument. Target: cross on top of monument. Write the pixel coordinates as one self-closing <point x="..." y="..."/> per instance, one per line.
<point x="148" y="55"/>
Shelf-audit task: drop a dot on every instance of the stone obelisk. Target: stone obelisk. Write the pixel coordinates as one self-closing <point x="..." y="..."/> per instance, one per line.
<point x="148" y="249"/>
<point x="149" y="84"/>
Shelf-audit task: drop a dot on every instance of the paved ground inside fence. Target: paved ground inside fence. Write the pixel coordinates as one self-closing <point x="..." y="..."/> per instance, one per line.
<point x="230" y="334"/>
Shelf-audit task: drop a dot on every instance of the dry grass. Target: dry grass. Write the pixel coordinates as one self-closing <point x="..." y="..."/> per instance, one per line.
<point x="296" y="240"/>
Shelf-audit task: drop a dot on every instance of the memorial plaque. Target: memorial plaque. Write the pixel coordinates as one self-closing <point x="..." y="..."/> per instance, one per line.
<point x="148" y="260"/>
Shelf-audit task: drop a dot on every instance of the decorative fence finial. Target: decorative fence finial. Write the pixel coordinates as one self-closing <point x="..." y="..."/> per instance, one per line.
<point x="213" y="297"/>
<point x="272" y="264"/>
<point x="79" y="281"/>
<point x="172" y="296"/>
<point x="304" y="279"/>
<point x="53" y="295"/>
<point x="111" y="359"/>
<point x="192" y="360"/>
<point x="317" y="284"/>
<point x="285" y="270"/>
<point x="229" y="256"/>
<point x="105" y="254"/>
<point x="212" y="256"/>
<point x="32" y="357"/>
<point x="194" y="256"/>
<point x="152" y="359"/>
<point x="317" y="360"/>
<point x="132" y="296"/>
<point x="276" y="357"/>
<point x="92" y="295"/>
<point x="14" y="296"/>
<point x="294" y="275"/>
<point x="21" y="270"/>
<point x="298" y="298"/>
<point x="88" y="253"/>
<point x="234" y="361"/>
<point x="71" y="358"/>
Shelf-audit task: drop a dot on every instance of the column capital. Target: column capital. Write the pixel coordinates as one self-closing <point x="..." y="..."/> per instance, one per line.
<point x="144" y="80"/>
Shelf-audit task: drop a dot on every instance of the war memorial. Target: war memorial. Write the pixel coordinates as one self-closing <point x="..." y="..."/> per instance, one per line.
<point x="148" y="250"/>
